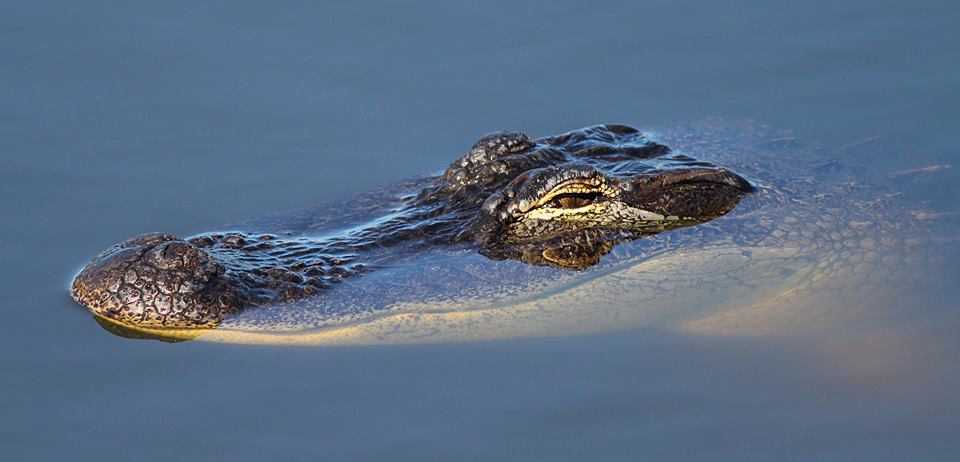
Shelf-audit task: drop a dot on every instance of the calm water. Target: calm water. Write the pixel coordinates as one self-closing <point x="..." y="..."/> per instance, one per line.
<point x="169" y="116"/>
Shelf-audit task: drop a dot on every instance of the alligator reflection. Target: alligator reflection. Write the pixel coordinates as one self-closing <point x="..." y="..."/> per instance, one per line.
<point x="140" y="333"/>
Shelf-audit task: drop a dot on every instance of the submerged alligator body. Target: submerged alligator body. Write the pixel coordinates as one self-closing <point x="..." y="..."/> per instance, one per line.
<point x="545" y="214"/>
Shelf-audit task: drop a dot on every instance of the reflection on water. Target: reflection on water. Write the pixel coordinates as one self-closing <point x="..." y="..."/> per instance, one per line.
<point x="179" y="117"/>
<point x="164" y="335"/>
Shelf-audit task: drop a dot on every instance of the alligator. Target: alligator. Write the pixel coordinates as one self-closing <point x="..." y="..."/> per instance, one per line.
<point x="547" y="209"/>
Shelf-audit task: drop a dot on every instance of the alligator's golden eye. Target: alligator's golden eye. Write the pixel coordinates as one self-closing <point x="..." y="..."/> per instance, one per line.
<point x="574" y="200"/>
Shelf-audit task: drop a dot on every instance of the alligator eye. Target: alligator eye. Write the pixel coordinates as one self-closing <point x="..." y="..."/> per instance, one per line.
<point x="574" y="200"/>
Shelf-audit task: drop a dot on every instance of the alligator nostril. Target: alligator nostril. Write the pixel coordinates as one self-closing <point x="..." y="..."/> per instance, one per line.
<point x="176" y="255"/>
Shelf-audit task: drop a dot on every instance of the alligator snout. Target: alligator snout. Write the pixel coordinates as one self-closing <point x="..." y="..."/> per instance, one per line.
<point x="156" y="280"/>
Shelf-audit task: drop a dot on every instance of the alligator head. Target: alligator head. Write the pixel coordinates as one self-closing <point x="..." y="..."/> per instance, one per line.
<point x="563" y="201"/>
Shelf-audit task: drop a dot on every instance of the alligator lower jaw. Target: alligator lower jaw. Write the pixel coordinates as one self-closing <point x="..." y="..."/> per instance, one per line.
<point x="169" y="335"/>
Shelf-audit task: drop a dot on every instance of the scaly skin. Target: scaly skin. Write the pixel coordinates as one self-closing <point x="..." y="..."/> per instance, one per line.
<point x="562" y="201"/>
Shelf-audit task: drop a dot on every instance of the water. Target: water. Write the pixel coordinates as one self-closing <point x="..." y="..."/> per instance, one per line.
<point x="177" y="117"/>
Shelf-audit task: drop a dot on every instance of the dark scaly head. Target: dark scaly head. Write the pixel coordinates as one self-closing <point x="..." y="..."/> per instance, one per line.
<point x="611" y="183"/>
<point x="561" y="201"/>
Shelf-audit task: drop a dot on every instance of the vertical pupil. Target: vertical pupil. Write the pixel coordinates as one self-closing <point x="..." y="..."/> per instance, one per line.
<point x="572" y="201"/>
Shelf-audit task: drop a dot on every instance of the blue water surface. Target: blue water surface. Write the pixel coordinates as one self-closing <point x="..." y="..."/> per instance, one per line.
<point x="118" y="118"/>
